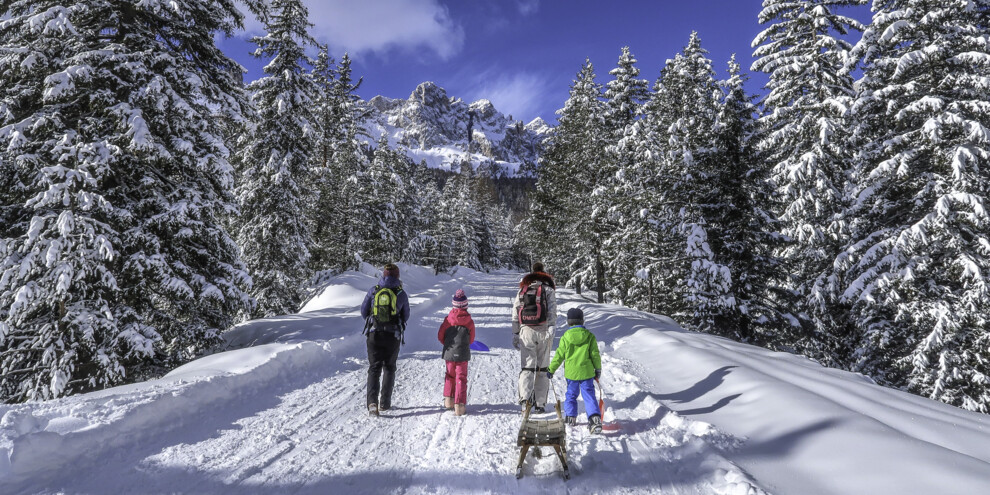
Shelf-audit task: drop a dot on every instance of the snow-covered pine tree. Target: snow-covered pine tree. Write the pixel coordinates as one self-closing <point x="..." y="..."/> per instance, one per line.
<point x="117" y="259"/>
<point x="334" y="219"/>
<point x="378" y="226"/>
<point x="803" y="54"/>
<point x="918" y="265"/>
<point x="688" y="91"/>
<point x="743" y="232"/>
<point x="625" y="95"/>
<point x="323" y="212"/>
<point x="563" y="232"/>
<point x="647" y="234"/>
<point x="409" y="199"/>
<point x="507" y="250"/>
<point x="423" y="248"/>
<point x="460" y="220"/>
<point x="444" y="242"/>
<point x="485" y="197"/>
<point x="274" y="164"/>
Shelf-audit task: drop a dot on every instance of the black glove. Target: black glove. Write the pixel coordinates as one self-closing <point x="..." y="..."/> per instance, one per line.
<point x="598" y="374"/>
<point x="549" y="374"/>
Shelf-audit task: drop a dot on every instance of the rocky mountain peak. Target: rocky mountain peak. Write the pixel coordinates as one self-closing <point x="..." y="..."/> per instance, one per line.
<point x="429" y="94"/>
<point x="431" y="126"/>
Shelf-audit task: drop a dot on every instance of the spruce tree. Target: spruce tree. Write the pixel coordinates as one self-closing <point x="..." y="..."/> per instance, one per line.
<point x="115" y="261"/>
<point x="323" y="209"/>
<point x="624" y="95"/>
<point x="408" y="202"/>
<point x="565" y="235"/>
<point x="463" y="231"/>
<point x="274" y="162"/>
<point x="492" y="217"/>
<point x="688" y="91"/>
<point x="918" y="264"/>
<point x="378" y="230"/>
<point x="349" y="163"/>
<point x="424" y="247"/>
<point x="742" y="226"/>
<point x="804" y="121"/>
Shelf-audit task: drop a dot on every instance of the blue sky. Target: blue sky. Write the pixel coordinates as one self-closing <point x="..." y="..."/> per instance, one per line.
<point x="520" y="54"/>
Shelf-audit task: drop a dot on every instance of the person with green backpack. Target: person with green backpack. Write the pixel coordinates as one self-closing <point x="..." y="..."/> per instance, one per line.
<point x="385" y="310"/>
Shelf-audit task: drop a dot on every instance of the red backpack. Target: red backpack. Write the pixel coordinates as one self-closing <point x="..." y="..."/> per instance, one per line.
<point x="533" y="310"/>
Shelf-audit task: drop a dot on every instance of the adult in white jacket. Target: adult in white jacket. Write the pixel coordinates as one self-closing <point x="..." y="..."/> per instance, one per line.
<point x="534" y="340"/>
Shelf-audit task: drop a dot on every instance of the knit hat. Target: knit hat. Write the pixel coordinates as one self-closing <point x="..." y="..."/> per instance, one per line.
<point x="538" y="267"/>
<point x="575" y="316"/>
<point x="460" y="299"/>
<point x="390" y="270"/>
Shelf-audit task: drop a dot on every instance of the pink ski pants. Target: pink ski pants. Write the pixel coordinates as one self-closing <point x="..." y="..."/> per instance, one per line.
<point x="455" y="381"/>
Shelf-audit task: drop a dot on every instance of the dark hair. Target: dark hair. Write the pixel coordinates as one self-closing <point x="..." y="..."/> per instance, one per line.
<point x="538" y="267"/>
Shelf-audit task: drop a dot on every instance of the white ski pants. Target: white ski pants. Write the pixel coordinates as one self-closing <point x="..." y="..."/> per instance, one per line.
<point x="534" y="354"/>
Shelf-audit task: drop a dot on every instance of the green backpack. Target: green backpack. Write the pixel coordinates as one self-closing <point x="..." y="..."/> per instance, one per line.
<point x="384" y="309"/>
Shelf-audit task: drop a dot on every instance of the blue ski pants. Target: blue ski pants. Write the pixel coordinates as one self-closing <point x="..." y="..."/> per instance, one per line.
<point x="587" y="389"/>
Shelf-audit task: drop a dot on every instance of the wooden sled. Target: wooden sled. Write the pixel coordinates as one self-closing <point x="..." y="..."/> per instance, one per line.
<point x="543" y="433"/>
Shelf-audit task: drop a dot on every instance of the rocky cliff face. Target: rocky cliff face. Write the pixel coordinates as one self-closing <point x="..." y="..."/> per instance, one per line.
<point x="433" y="127"/>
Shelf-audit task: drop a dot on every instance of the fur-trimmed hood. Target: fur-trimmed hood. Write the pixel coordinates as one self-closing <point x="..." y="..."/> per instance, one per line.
<point x="537" y="276"/>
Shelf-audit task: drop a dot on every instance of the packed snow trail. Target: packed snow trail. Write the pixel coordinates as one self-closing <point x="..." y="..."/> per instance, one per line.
<point x="283" y="411"/>
<point x="302" y="427"/>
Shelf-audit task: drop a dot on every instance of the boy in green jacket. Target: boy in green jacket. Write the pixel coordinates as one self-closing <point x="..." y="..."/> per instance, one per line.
<point x="579" y="349"/>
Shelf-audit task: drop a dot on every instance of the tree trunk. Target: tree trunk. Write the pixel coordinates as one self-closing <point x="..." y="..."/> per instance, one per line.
<point x="600" y="273"/>
<point x="650" y="275"/>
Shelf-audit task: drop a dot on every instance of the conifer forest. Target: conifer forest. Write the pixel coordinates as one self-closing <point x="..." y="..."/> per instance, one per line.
<point x="150" y="199"/>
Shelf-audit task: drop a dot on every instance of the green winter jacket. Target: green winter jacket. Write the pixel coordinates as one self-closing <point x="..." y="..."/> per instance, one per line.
<point x="578" y="348"/>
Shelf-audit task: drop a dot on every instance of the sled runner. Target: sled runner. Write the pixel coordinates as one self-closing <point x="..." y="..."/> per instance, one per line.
<point x="543" y="433"/>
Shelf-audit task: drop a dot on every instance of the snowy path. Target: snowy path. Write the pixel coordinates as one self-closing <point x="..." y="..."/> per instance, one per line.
<point x="283" y="412"/>
<point x="309" y="432"/>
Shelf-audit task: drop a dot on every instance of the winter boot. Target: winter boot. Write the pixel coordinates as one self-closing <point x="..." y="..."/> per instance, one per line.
<point x="570" y="421"/>
<point x="448" y="403"/>
<point x="460" y="409"/>
<point x="373" y="409"/>
<point x="595" y="424"/>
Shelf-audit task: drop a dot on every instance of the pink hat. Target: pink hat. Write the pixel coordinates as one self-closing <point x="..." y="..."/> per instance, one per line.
<point x="460" y="299"/>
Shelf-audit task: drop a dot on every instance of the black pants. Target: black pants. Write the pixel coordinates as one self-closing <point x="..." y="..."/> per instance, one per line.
<point x="383" y="351"/>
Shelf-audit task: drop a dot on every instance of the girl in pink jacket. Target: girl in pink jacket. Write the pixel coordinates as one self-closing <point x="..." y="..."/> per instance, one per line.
<point x="456" y="334"/>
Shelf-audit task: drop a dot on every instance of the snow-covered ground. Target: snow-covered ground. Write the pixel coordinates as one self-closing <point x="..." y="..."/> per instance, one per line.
<point x="282" y="411"/>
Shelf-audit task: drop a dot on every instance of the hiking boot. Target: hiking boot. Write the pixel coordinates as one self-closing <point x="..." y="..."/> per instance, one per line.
<point x="570" y="421"/>
<point x="448" y="403"/>
<point x="460" y="409"/>
<point x="384" y="407"/>
<point x="595" y="424"/>
<point x="373" y="409"/>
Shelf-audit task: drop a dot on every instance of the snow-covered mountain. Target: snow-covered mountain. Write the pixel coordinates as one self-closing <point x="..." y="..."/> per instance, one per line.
<point x="431" y="126"/>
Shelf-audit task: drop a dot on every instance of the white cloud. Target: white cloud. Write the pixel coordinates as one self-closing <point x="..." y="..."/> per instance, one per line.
<point x="521" y="94"/>
<point x="528" y="7"/>
<point x="380" y="26"/>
